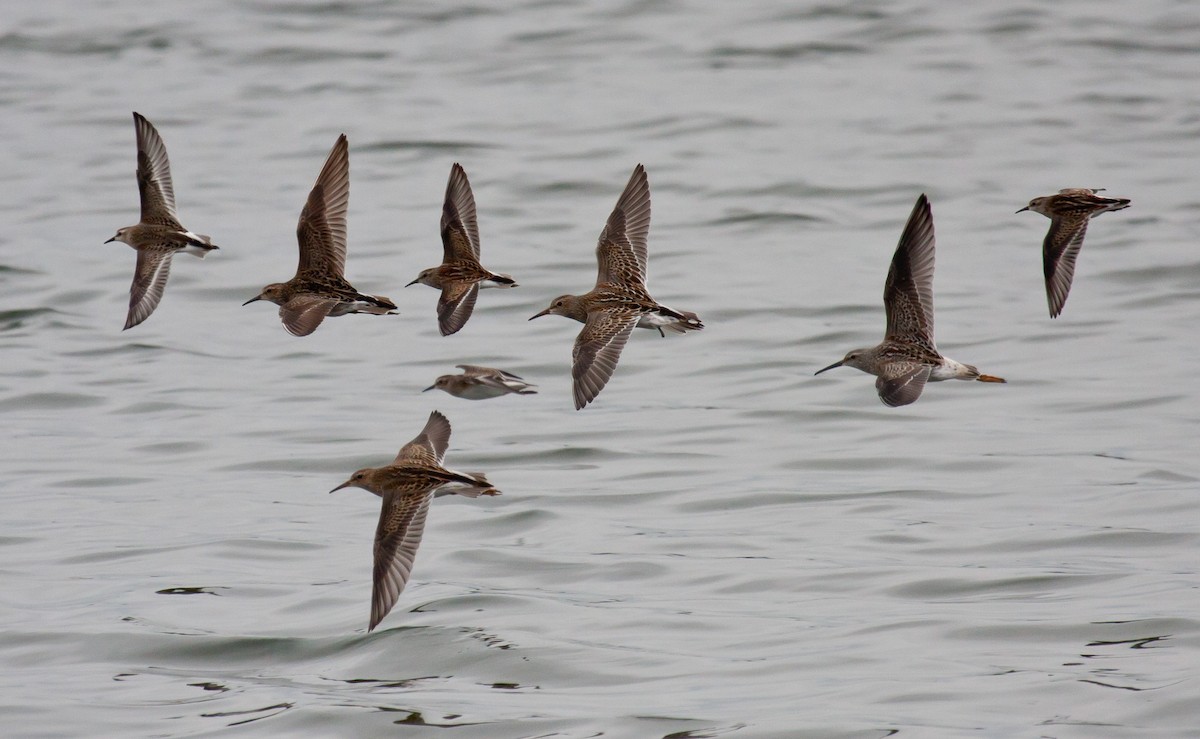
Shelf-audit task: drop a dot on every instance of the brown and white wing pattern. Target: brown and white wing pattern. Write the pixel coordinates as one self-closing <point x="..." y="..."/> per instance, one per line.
<point x="455" y="305"/>
<point x="460" y="228"/>
<point x="401" y="525"/>
<point x="149" y="281"/>
<point x="901" y="383"/>
<point x="303" y="313"/>
<point x="154" y="176"/>
<point x="429" y="446"/>
<point x="621" y="250"/>
<point x="322" y="227"/>
<point x="1059" y="252"/>
<point x="908" y="292"/>
<point x="597" y="350"/>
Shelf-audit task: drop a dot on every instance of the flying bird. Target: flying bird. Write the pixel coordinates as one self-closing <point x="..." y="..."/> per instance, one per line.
<point x="619" y="302"/>
<point x="158" y="236"/>
<point x="908" y="357"/>
<point x="319" y="288"/>
<point x="407" y="486"/>
<point x="1069" y="212"/>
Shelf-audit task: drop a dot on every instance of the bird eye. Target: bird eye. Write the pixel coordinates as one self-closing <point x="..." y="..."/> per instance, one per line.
<point x="558" y="304"/>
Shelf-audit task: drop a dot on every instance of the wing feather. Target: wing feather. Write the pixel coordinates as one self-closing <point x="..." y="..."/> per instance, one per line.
<point x="621" y="252"/>
<point x="154" y="176"/>
<point x="902" y="383"/>
<point x="429" y="446"/>
<point x="401" y="526"/>
<point x="1059" y="252"/>
<point x="149" y="281"/>
<point x="460" y="227"/>
<point x="908" y="292"/>
<point x="321" y="231"/>
<point x="597" y="350"/>
<point x="455" y="305"/>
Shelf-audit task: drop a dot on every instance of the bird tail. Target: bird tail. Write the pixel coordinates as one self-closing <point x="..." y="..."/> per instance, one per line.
<point x="499" y="280"/>
<point x="198" y="245"/>
<point x="685" y="321"/>
<point x="375" y="305"/>
<point x="468" y="484"/>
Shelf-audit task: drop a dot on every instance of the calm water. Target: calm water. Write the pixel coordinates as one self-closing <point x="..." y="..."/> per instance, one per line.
<point x="723" y="545"/>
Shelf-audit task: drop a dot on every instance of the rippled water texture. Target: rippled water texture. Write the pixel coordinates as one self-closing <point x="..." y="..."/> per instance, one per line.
<point x="722" y="545"/>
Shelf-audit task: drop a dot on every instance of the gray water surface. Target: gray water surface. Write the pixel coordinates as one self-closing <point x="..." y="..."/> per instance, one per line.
<point x="722" y="545"/>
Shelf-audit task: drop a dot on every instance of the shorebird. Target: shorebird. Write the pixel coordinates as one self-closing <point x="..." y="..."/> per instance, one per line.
<point x="908" y="357"/>
<point x="480" y="383"/>
<point x="460" y="275"/>
<point x="158" y="236"/>
<point x="407" y="486"/>
<point x="619" y="302"/>
<point x="1069" y="212"/>
<point x="319" y="288"/>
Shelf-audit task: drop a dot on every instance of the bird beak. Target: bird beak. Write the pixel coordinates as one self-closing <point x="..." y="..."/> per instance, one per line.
<point x="111" y="240"/>
<point x="413" y="282"/>
<point x="835" y="364"/>
<point x="539" y="315"/>
<point x="345" y="484"/>
<point x="1023" y="209"/>
<point x="429" y="388"/>
<point x="251" y="300"/>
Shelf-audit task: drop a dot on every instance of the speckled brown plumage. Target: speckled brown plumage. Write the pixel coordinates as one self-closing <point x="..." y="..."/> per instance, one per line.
<point x="158" y="235"/>
<point x="407" y="487"/>
<point x="1069" y="212"/>
<point x="619" y="302"/>
<point x="319" y="288"/>
<point x="460" y="275"/>
<point x="908" y="357"/>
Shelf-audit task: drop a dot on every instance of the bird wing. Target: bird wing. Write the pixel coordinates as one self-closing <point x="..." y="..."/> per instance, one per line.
<point x="401" y="525"/>
<point x="460" y="228"/>
<point x="455" y="305"/>
<point x="908" y="292"/>
<point x="902" y="382"/>
<point x="597" y="350"/>
<point x="621" y="250"/>
<point x="154" y="176"/>
<point x="302" y="314"/>
<point x="322" y="227"/>
<point x="429" y="446"/>
<point x="149" y="281"/>
<point x="1059" y="252"/>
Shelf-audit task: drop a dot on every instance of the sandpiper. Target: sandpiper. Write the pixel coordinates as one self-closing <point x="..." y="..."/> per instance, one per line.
<point x="907" y="357"/>
<point x="158" y="236"/>
<point x="480" y="383"/>
<point x="1069" y="212"/>
<point x="319" y="288"/>
<point x="407" y="486"/>
<point x="460" y="275"/>
<point x="619" y="301"/>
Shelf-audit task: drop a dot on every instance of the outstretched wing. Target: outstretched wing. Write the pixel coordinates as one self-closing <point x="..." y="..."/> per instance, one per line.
<point x="902" y="382"/>
<point x="401" y="525"/>
<point x="908" y="292"/>
<point x="149" y="282"/>
<point x="460" y="229"/>
<point x="597" y="350"/>
<point x="1059" y="252"/>
<point x="621" y="250"/>
<point x="154" y="176"/>
<point x="302" y="314"/>
<point x="455" y="305"/>
<point x="322" y="227"/>
<point x="429" y="446"/>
